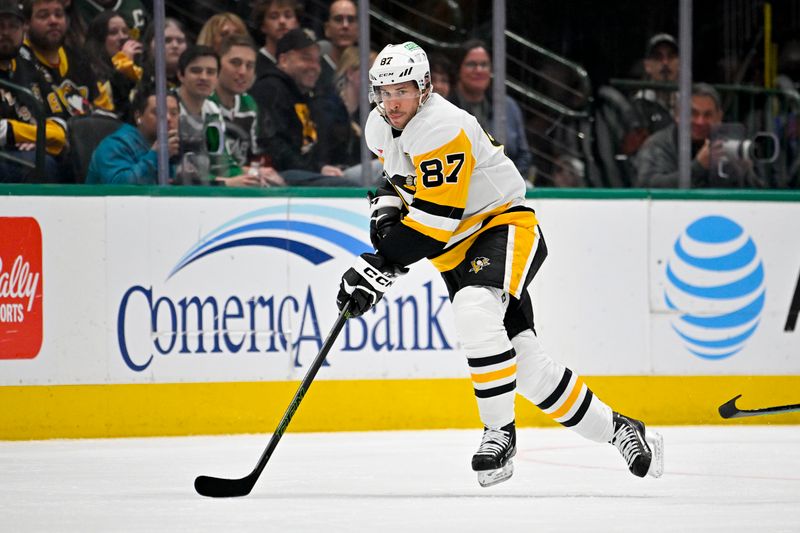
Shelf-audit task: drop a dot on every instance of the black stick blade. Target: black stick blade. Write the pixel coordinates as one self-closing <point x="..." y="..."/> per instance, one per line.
<point x="215" y="487"/>
<point x="729" y="409"/>
<point x="230" y="488"/>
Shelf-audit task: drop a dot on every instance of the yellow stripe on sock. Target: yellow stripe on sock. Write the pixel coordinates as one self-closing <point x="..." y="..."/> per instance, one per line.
<point x="570" y="401"/>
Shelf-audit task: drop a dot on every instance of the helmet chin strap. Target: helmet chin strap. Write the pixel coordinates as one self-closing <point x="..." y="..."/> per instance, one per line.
<point x="425" y="95"/>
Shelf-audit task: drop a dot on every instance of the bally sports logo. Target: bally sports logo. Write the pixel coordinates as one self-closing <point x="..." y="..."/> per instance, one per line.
<point x="715" y="281"/>
<point x="20" y="288"/>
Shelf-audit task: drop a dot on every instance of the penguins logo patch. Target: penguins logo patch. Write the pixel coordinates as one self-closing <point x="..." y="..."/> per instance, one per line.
<point x="478" y="264"/>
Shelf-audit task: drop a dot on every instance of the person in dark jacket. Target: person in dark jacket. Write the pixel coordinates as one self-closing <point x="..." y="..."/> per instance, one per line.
<point x="18" y="124"/>
<point x="341" y="32"/>
<point x="285" y="96"/>
<point x="274" y="19"/>
<point x="112" y="56"/>
<point x="72" y="88"/>
<point x="657" y="161"/>
<point x="472" y="93"/>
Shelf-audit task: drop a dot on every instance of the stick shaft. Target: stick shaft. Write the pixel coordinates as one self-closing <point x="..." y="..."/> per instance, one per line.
<point x="225" y="488"/>
<point x="301" y="390"/>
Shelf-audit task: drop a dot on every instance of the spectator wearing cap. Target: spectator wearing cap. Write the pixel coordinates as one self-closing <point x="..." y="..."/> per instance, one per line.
<point x="657" y="162"/>
<point x="285" y="97"/>
<point x="17" y="123"/>
<point x="661" y="62"/>
<point x="338" y="119"/>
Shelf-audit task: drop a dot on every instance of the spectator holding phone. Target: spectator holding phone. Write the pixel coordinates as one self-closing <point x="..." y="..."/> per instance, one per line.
<point x="113" y="55"/>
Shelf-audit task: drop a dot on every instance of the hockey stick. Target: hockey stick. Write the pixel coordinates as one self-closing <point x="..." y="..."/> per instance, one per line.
<point x="729" y="409"/>
<point x="216" y="487"/>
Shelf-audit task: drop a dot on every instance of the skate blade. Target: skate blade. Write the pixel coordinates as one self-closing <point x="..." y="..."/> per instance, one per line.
<point x="656" y="443"/>
<point x="487" y="478"/>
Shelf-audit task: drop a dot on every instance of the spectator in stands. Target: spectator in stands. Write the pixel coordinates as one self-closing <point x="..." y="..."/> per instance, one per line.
<point x="789" y="65"/>
<point x="274" y="18"/>
<point x="76" y="30"/>
<point x="113" y="55"/>
<point x="347" y="79"/>
<point x="204" y="158"/>
<point x="656" y="107"/>
<point x="292" y="135"/>
<point x="472" y="94"/>
<point x="657" y="162"/>
<point x="569" y="172"/>
<point x="338" y="117"/>
<point x="175" y="45"/>
<point x="17" y="124"/>
<point x="133" y="11"/>
<point x="312" y="16"/>
<point x="129" y="155"/>
<point x="218" y="27"/>
<point x="72" y="87"/>
<point x="239" y="110"/>
<point x="341" y="32"/>
<point x="441" y="74"/>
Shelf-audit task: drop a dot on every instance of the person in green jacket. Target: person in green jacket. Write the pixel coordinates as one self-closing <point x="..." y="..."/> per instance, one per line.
<point x="243" y="139"/>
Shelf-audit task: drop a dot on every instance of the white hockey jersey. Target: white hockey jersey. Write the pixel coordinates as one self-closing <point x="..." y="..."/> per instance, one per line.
<point x="452" y="176"/>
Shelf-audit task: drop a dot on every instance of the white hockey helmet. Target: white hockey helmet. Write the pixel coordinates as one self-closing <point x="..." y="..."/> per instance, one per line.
<point x="398" y="63"/>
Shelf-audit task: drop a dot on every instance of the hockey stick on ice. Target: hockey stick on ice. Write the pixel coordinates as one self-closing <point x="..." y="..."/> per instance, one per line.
<point x="216" y="487"/>
<point x="729" y="409"/>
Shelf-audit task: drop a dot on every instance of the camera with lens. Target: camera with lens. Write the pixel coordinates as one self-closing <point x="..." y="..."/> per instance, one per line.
<point x="761" y="148"/>
<point x="737" y="157"/>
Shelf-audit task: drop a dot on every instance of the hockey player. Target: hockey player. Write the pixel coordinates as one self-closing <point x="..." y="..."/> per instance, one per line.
<point x="453" y="197"/>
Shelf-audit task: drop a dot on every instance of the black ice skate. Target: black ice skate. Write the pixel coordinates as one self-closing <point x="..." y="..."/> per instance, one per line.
<point x="492" y="461"/>
<point x="643" y="453"/>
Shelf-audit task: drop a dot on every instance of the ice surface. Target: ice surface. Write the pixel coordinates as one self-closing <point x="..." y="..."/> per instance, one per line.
<point x="717" y="478"/>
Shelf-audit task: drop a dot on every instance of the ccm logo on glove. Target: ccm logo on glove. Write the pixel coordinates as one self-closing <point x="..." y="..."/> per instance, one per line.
<point x="365" y="282"/>
<point x="378" y="277"/>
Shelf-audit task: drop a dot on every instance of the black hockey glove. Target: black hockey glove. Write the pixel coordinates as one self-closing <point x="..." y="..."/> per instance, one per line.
<point x="365" y="282"/>
<point x="384" y="214"/>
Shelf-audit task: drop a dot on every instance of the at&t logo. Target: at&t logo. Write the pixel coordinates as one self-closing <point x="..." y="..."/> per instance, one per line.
<point x="715" y="283"/>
